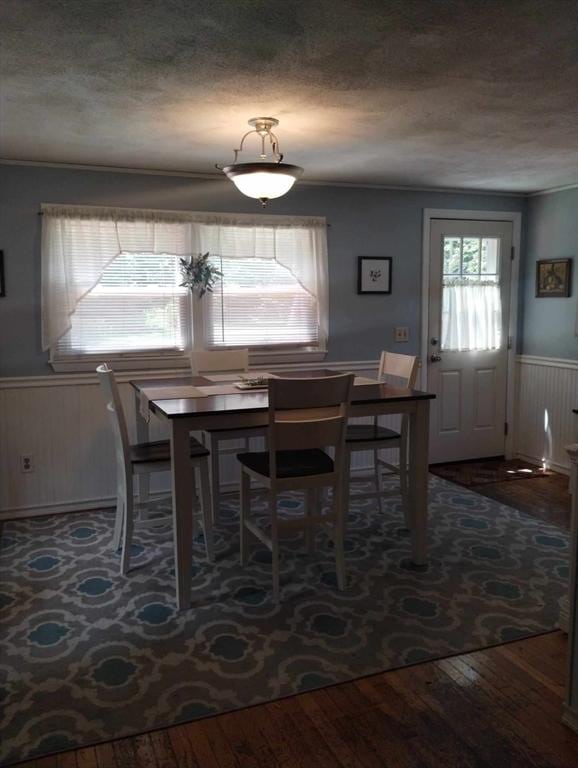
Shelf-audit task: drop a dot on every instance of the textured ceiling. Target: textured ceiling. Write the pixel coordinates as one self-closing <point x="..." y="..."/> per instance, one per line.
<point x="460" y="93"/>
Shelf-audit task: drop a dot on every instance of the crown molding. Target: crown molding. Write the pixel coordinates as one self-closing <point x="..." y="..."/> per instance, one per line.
<point x="553" y="190"/>
<point x="220" y="177"/>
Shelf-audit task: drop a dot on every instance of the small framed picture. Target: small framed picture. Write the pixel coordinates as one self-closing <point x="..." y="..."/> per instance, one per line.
<point x="2" y="281"/>
<point x="374" y="274"/>
<point x="553" y="278"/>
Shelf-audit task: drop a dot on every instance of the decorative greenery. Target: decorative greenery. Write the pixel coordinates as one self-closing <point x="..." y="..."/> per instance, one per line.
<point x="199" y="274"/>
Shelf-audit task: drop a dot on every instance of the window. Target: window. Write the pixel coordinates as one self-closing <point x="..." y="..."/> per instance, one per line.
<point x="111" y="285"/>
<point x="471" y="300"/>
<point x="136" y="307"/>
<point x="270" y="294"/>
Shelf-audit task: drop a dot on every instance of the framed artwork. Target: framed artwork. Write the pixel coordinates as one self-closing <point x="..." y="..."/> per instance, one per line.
<point x="2" y="281"/>
<point x="374" y="274"/>
<point x="553" y="278"/>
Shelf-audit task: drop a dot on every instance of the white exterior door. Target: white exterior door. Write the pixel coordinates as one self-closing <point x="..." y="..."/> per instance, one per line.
<point x="467" y="354"/>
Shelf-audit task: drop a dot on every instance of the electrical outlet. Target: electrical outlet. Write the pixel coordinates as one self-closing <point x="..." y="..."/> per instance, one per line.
<point x="26" y="463"/>
<point x="402" y="333"/>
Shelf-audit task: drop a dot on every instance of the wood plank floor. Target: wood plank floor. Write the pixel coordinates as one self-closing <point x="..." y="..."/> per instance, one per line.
<point x="497" y="708"/>
<point x="544" y="497"/>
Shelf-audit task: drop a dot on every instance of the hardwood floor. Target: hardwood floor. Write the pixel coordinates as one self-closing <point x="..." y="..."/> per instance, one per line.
<point x="497" y="708"/>
<point x="544" y="497"/>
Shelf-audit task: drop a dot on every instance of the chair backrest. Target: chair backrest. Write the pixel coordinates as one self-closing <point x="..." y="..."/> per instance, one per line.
<point x="223" y="361"/>
<point x="308" y="413"/>
<point x="401" y="367"/>
<point x="116" y="413"/>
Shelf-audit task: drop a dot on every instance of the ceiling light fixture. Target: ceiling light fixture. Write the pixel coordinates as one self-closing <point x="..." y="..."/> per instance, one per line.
<point x="266" y="179"/>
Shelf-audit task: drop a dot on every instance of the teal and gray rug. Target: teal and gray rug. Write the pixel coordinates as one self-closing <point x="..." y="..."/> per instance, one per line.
<point x="88" y="655"/>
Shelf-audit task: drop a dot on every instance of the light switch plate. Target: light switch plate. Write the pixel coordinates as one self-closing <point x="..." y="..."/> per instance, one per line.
<point x="402" y="333"/>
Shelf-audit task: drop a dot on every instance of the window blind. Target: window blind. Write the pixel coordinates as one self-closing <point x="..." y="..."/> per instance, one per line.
<point x="259" y="303"/>
<point x="267" y="295"/>
<point x="136" y="307"/>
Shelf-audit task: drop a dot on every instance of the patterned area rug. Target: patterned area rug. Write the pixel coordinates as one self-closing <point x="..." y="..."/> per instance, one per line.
<point x="90" y="656"/>
<point x="473" y="473"/>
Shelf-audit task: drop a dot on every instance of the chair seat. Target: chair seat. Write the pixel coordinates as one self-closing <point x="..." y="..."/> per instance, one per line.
<point x="366" y="433"/>
<point x="290" y="463"/>
<point x="160" y="450"/>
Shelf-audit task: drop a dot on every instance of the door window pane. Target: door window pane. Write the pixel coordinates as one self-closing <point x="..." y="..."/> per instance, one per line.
<point x="452" y="255"/>
<point x="471" y="256"/>
<point x="471" y="299"/>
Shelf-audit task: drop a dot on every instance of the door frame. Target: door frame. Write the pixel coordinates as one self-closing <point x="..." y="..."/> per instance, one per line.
<point x="515" y="218"/>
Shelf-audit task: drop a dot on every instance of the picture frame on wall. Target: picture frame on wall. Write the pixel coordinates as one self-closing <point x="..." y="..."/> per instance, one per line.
<point x="2" y="280"/>
<point x="374" y="274"/>
<point x="553" y="278"/>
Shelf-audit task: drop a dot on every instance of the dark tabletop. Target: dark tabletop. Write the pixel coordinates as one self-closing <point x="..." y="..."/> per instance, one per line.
<point x="248" y="401"/>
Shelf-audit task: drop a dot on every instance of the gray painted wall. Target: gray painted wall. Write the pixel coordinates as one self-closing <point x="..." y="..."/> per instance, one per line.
<point x="551" y="233"/>
<point x="369" y="222"/>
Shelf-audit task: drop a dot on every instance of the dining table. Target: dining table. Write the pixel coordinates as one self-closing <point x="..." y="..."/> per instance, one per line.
<point x="196" y="403"/>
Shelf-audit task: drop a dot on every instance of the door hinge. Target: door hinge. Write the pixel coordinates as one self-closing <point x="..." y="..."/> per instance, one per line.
<point x="512" y="253"/>
<point x="510" y="342"/>
<point x="506" y="428"/>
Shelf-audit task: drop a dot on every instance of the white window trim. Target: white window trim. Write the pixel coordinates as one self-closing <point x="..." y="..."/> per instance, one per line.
<point x="88" y="363"/>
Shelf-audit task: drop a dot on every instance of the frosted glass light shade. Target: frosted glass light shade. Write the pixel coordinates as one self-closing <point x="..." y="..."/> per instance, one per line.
<point x="263" y="181"/>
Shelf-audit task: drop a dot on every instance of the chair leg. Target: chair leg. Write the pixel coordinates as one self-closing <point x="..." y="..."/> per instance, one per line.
<point x="339" y="534"/>
<point x="215" y="481"/>
<point x="274" y="545"/>
<point x="377" y="477"/>
<point x="345" y="497"/>
<point x="118" y="522"/>
<point x="127" y="533"/>
<point x="311" y="508"/>
<point x="245" y="503"/>
<point x="206" y="509"/>
<point x="403" y="479"/>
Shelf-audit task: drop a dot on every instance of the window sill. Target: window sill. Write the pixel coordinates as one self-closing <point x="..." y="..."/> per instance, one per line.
<point x="276" y="358"/>
<point x="85" y="365"/>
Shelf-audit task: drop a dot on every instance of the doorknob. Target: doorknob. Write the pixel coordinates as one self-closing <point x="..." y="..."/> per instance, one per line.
<point x="433" y="341"/>
<point x="435" y="358"/>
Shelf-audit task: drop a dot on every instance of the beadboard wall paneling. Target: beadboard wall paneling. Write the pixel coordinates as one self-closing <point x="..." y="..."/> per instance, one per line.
<point x="61" y="422"/>
<point x="547" y="392"/>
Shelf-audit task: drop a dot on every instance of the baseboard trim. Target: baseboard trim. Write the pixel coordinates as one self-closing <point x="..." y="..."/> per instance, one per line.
<point x="570" y="718"/>
<point x="107" y="502"/>
<point x="561" y="468"/>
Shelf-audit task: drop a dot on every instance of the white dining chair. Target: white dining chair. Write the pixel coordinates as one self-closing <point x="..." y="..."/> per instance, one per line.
<point x="306" y="417"/>
<point x="205" y="363"/>
<point x="401" y="371"/>
<point x="145" y="458"/>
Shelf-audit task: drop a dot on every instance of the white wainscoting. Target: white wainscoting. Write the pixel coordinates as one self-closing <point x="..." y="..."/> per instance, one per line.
<point x="547" y="391"/>
<point x="61" y="422"/>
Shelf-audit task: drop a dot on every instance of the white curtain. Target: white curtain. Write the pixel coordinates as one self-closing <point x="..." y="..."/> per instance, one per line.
<point x="471" y="316"/>
<point x="298" y="244"/>
<point x="78" y="244"/>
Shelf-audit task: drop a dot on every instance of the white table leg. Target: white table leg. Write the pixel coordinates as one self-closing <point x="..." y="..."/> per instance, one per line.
<point x="182" y="511"/>
<point x="142" y="436"/>
<point x="418" y="483"/>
